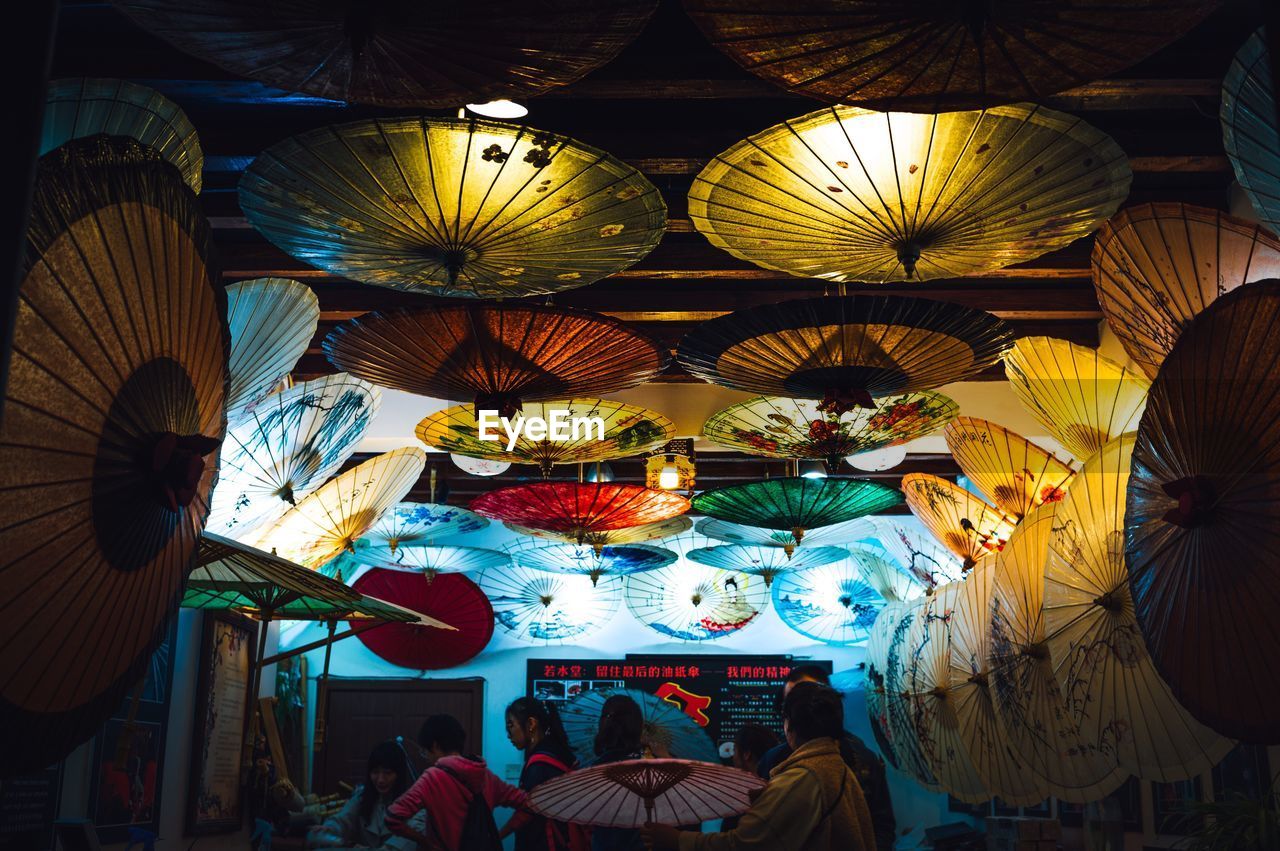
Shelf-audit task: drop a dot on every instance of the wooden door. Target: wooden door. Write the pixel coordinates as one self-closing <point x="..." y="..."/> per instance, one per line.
<point x="361" y="713"/>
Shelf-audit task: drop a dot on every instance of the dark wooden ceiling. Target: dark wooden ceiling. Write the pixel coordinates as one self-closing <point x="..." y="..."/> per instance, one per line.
<point x="666" y="104"/>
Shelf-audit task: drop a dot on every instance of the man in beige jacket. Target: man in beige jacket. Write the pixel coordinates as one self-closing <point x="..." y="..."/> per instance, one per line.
<point x="813" y="801"/>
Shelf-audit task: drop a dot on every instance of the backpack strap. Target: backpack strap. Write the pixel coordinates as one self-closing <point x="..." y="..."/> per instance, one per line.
<point x="541" y="758"/>
<point x="458" y="778"/>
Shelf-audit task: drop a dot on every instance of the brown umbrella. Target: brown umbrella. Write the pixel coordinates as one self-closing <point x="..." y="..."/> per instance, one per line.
<point x="112" y="421"/>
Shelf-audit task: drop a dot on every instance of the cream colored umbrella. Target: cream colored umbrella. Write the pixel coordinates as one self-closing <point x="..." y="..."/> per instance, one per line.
<point x="919" y="554"/>
<point x="958" y="518"/>
<point x="884" y="575"/>
<point x="1082" y="398"/>
<point x="668" y="528"/>
<point x="1114" y="693"/>
<point x="334" y="517"/>
<point x="1028" y="700"/>
<point x="899" y="711"/>
<point x="1012" y="471"/>
<point x="272" y="322"/>
<point x="834" y="535"/>
<point x="847" y="194"/>
<point x="417" y="523"/>
<point x="878" y="641"/>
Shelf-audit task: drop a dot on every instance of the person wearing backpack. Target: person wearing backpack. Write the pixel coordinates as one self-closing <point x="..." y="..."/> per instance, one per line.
<point x="534" y="727"/>
<point x="619" y="737"/>
<point x="458" y="793"/>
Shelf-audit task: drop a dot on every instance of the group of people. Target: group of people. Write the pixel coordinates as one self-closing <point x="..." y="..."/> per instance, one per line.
<point x="825" y="789"/>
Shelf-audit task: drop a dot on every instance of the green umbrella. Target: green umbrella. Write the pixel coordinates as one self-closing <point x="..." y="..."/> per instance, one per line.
<point x="795" y="504"/>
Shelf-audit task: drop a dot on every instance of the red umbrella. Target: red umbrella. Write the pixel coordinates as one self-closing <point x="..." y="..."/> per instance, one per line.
<point x="449" y="595"/>
<point x="636" y="791"/>
<point x="578" y="509"/>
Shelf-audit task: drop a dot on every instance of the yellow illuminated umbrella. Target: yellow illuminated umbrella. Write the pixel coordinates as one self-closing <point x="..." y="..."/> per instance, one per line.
<point x="1114" y="694"/>
<point x="272" y="322"/>
<point x="576" y="431"/>
<point x="958" y="518"/>
<point x="1155" y="266"/>
<point x="453" y="207"/>
<point x="846" y="194"/>
<point x="889" y="580"/>
<point x="1029" y="702"/>
<point x="343" y="509"/>
<point x="1015" y="473"/>
<point x="614" y="537"/>
<point x="1081" y="397"/>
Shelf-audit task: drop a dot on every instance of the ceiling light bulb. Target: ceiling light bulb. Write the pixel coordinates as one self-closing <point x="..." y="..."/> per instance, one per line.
<point x="669" y="478"/>
<point x="506" y="109"/>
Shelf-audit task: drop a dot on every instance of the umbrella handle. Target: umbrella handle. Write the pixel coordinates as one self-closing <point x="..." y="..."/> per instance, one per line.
<point x="648" y="810"/>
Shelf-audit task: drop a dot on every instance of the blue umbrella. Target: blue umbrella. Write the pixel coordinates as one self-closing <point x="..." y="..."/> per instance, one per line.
<point x="668" y="731"/>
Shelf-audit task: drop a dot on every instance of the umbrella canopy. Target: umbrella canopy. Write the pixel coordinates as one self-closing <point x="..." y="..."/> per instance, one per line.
<point x="453" y="207"/>
<point x="79" y="107"/>
<point x="1155" y="266"/>
<point x="919" y="56"/>
<point x="399" y="53"/>
<point x="1082" y="398"/>
<point x="960" y="520"/>
<point x="832" y="603"/>
<point x="431" y="561"/>
<point x="583" y="560"/>
<point x="846" y="194"/>
<point x="452" y="598"/>
<point x="844" y="350"/>
<point x="920" y="555"/>
<point x="898" y="710"/>
<point x="1033" y="711"/>
<point x="1201" y="521"/>
<point x="667" y="729"/>
<point x="633" y="793"/>
<point x="550" y="608"/>
<point x="332" y="518"/>
<point x="413" y="523"/>
<point x="496" y="355"/>
<point x="578" y="431"/>
<point x="1015" y="473"/>
<point x="795" y="504"/>
<point x="112" y="419"/>
<point x="479" y="466"/>
<point x="889" y="580"/>
<point x="614" y="537"/>
<point x="578" y="510"/>
<point x="272" y="322"/>
<point x="765" y="562"/>
<point x="1114" y="694"/>
<point x="1251" y="128"/>
<point x="693" y="602"/>
<point x="877" y="652"/>
<point x="286" y="447"/>
<point x="780" y="427"/>
<point x="835" y="534"/>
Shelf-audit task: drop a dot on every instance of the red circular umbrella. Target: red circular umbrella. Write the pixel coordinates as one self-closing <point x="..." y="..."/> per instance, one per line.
<point x="578" y="509"/>
<point x="450" y="597"/>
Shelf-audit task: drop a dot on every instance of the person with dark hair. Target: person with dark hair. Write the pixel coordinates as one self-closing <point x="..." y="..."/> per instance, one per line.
<point x="751" y="743"/>
<point x="535" y="728"/>
<point x="446" y="788"/>
<point x="619" y="737"/>
<point x="813" y="801"/>
<point x="865" y="763"/>
<point x="362" y="822"/>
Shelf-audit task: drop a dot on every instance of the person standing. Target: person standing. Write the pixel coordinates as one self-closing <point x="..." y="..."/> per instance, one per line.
<point x="618" y="738"/>
<point x="751" y="743"/>
<point x="534" y="727"/>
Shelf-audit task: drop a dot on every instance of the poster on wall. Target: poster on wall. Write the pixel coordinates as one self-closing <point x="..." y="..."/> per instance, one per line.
<point x="28" y="807"/>
<point x="128" y="758"/>
<point x="214" y="801"/>
<point x="720" y="693"/>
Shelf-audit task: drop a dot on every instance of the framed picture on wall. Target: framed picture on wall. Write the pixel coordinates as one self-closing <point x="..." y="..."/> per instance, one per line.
<point x="214" y="797"/>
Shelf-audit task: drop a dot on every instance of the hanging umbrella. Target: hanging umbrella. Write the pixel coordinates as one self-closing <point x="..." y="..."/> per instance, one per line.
<point x="779" y="427"/>
<point x="578" y="431"/>
<point x="414" y="523"/>
<point x="578" y="510"/>
<point x="795" y="504"/>
<point x="959" y="519"/>
<point x="846" y="194"/>
<point x="1031" y="707"/>
<point x="286" y="447"/>
<point x="667" y="729"/>
<point x="835" y="534"/>
<point x="80" y="107"/>
<point x="921" y="56"/>
<point x="832" y="603"/>
<point x="332" y="518"/>
<point x="1003" y="770"/>
<point x="1082" y="398"/>
<point x="399" y="53"/>
<point x="877" y="706"/>
<point x="1015" y="473"/>
<point x="920" y="555"/>
<point x="898" y="711"/>
<point x="550" y="608"/>
<point x="1251" y="127"/>
<point x="1155" y="266"/>
<point x="452" y="597"/>
<point x="634" y="793"/>
<point x="272" y="322"/>
<point x="888" y="580"/>
<point x="844" y="350"/>
<point x="693" y="602"/>
<point x="431" y="561"/>
<point x="495" y="355"/>
<point x="479" y="466"/>
<point x="765" y="562"/>
<point x="1201" y="525"/>
<point x="1114" y="694"/>
<point x="453" y="207"/>
<point x="614" y="537"/>
<point x="583" y="560"/>
<point x="112" y="419"/>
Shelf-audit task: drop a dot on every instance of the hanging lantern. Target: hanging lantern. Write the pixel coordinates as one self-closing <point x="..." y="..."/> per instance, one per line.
<point x="959" y="519"/>
<point x="673" y="467"/>
<point x="795" y="504"/>
<point x="1251" y="127"/>
<point x="1013" y="471"/>
<point x="272" y="321"/>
